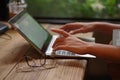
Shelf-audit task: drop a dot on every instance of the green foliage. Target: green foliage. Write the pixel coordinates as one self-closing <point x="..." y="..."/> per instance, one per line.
<point x="74" y="8"/>
<point x="111" y="7"/>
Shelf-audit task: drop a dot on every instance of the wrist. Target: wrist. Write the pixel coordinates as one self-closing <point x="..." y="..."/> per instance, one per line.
<point x="95" y="25"/>
<point x="91" y="48"/>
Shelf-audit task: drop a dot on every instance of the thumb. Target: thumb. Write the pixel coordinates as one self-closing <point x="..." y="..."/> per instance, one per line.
<point x="81" y="30"/>
<point x="61" y="32"/>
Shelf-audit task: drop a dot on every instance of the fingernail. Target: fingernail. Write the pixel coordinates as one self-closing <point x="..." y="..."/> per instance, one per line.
<point x="71" y="32"/>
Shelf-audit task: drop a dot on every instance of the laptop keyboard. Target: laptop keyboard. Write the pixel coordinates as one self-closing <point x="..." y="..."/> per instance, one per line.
<point x="68" y="53"/>
<point x="65" y="53"/>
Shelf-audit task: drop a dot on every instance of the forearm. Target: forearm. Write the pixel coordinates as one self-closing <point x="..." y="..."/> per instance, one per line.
<point x="105" y="26"/>
<point x="105" y="51"/>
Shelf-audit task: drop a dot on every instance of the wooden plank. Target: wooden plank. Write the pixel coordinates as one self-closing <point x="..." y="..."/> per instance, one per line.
<point x="66" y="69"/>
<point x="12" y="46"/>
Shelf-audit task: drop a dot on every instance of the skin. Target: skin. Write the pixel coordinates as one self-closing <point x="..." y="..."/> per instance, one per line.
<point x="82" y="27"/>
<point x="73" y="44"/>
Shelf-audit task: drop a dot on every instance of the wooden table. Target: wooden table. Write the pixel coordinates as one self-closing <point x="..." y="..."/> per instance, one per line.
<point x="13" y="47"/>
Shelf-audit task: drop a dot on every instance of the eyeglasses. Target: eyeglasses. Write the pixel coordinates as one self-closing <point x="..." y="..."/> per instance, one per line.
<point x="28" y="63"/>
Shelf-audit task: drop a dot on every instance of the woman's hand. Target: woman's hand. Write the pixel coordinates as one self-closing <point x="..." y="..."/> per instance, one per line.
<point x="84" y="27"/>
<point x="70" y="43"/>
<point x="75" y="45"/>
<point x="78" y="27"/>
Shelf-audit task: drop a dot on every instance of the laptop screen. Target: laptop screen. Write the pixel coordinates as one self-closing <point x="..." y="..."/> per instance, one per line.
<point x="33" y="31"/>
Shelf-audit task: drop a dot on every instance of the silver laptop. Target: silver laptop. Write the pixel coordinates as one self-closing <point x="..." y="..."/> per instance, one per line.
<point x="39" y="37"/>
<point x="116" y="37"/>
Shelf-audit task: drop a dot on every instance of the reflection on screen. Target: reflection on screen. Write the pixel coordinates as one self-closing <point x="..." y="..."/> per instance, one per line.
<point x="32" y="30"/>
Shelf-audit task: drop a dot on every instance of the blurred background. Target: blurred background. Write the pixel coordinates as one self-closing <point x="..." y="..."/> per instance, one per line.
<point x="105" y="9"/>
<point x="63" y="11"/>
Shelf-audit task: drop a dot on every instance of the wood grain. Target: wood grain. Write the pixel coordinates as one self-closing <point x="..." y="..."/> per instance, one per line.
<point x="12" y="49"/>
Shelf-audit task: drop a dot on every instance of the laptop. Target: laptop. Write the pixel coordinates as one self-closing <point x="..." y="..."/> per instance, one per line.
<point x="39" y="37"/>
<point x="116" y="37"/>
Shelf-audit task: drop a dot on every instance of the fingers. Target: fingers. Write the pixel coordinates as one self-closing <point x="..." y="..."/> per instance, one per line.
<point x="67" y="48"/>
<point x="75" y="31"/>
<point x="70" y="26"/>
<point x="61" y="32"/>
<point x="58" y="41"/>
<point x="81" y="30"/>
<point x="65" y="27"/>
<point x="60" y="47"/>
<point x="74" y="28"/>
